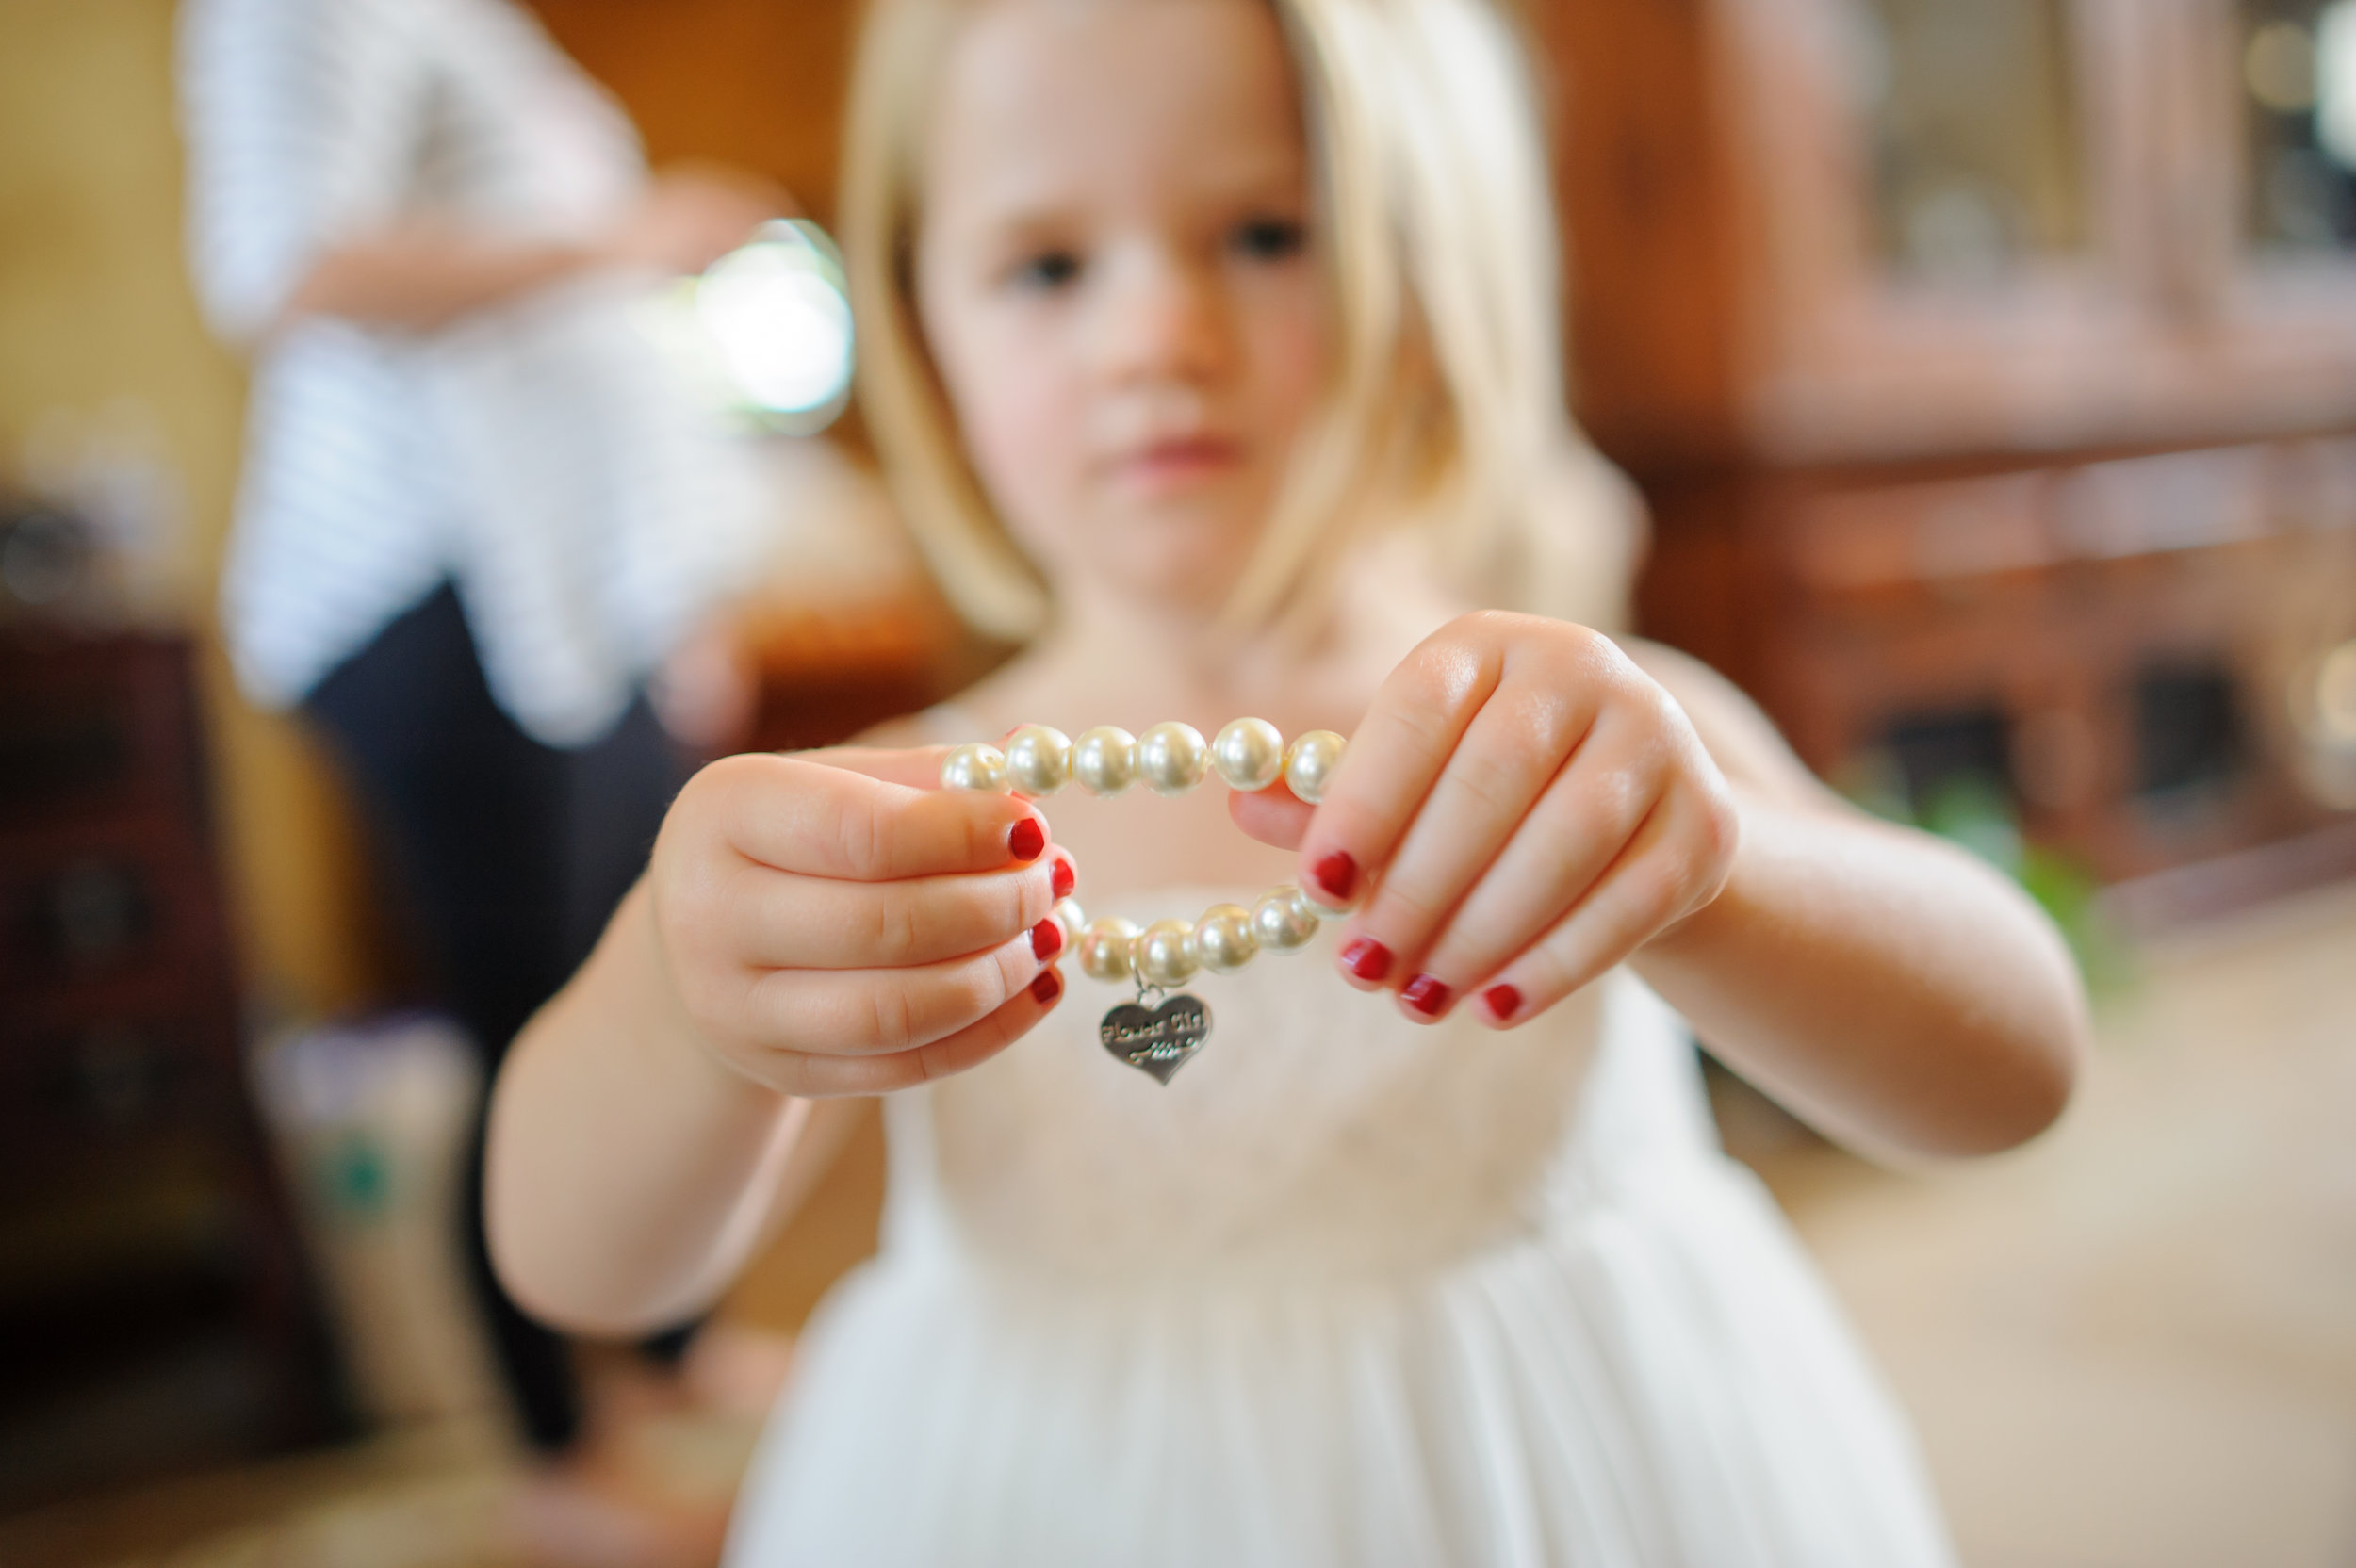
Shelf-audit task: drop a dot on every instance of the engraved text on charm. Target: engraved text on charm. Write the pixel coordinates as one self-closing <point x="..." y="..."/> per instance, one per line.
<point x="1156" y="1039"/>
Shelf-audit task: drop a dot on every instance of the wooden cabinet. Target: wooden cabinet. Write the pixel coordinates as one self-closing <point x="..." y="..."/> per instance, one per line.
<point x="153" y="1312"/>
<point x="1990" y="366"/>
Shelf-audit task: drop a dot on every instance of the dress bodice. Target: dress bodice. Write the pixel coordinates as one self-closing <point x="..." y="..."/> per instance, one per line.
<point x="1316" y="1134"/>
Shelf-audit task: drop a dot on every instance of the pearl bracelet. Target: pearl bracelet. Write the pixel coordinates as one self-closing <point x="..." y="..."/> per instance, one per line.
<point x="1171" y="759"/>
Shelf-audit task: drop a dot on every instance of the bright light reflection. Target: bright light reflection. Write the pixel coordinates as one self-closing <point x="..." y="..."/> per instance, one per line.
<point x="775" y="312"/>
<point x="2336" y="698"/>
<point x="2336" y="81"/>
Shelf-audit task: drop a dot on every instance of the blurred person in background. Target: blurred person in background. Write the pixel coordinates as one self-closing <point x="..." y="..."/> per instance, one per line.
<point x="478" y="509"/>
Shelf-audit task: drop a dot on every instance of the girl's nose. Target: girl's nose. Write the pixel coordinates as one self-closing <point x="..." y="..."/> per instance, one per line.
<point x="1165" y="320"/>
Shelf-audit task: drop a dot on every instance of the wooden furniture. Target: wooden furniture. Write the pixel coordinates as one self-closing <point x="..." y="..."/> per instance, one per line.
<point x="153" y="1310"/>
<point x="828" y="670"/>
<point x="1990" y="371"/>
<point x="752" y="82"/>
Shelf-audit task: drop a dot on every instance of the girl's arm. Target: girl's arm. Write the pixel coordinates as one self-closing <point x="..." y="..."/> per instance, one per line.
<point x="631" y="1174"/>
<point x="1523" y="806"/>
<point x="806" y="935"/>
<point x="1896" y="991"/>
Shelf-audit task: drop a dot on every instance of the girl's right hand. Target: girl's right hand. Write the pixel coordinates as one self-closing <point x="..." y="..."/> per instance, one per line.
<point x="835" y="923"/>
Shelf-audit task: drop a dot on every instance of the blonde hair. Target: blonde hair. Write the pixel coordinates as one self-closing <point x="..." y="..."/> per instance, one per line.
<point x="1447" y="407"/>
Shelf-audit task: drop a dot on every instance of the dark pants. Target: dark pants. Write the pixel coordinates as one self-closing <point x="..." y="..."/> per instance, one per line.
<point x="507" y="856"/>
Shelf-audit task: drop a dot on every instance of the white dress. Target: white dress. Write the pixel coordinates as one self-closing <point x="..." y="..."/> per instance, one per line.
<point x="1347" y="1291"/>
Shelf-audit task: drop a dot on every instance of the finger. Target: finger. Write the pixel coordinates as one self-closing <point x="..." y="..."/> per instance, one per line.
<point x="781" y="921"/>
<point x="1576" y="830"/>
<point x="1274" y="815"/>
<point x="917" y="767"/>
<point x="820" y="1077"/>
<point x="1643" y="890"/>
<point x="1515" y="748"/>
<point x="878" y="1012"/>
<point x="1395" y="756"/>
<point x="818" y="820"/>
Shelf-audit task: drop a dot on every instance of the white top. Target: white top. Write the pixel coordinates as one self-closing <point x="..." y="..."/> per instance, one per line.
<point x="1349" y="1291"/>
<point x="542" y="454"/>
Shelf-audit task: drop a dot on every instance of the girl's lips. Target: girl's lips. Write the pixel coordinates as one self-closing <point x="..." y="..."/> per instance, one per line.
<point x="1167" y="465"/>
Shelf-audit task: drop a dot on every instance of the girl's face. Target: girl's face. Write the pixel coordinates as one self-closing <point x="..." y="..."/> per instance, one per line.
<point x="1117" y="279"/>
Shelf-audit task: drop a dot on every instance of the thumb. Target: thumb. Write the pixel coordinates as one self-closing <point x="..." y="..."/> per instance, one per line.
<point x="917" y="767"/>
<point x="1274" y="815"/>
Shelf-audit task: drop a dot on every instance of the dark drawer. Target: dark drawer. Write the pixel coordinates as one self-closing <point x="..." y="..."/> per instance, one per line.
<point x="89" y="728"/>
<point x="93" y="907"/>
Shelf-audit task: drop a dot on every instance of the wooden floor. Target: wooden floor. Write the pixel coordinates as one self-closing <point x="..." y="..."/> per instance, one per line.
<point x="2133" y="1344"/>
<point x="2130" y="1345"/>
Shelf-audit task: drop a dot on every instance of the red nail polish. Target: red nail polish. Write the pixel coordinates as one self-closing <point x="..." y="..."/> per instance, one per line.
<point x="1048" y="987"/>
<point x="1367" y="959"/>
<point x="1337" y="873"/>
<point x="1025" y="838"/>
<point x="1046" y="940"/>
<point x="1504" y="1002"/>
<point x="1427" y="995"/>
<point x="1064" y="878"/>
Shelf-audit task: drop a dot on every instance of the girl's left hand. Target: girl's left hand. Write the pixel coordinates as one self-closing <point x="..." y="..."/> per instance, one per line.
<point x="1521" y="809"/>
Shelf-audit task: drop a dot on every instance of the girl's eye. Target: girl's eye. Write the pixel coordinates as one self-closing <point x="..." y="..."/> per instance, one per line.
<point x="1048" y="270"/>
<point x="1271" y="238"/>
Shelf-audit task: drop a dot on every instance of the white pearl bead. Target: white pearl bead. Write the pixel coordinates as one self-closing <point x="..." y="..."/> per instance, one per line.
<point x="1310" y="761"/>
<point x="1104" y="760"/>
<point x="1249" y="754"/>
<point x="1281" y="922"/>
<point x="975" y="767"/>
<point x="1223" y="938"/>
<point x="1165" y="953"/>
<point x="1070" y="916"/>
<point x="1172" y="757"/>
<point x="1039" y="759"/>
<point x="1107" y="948"/>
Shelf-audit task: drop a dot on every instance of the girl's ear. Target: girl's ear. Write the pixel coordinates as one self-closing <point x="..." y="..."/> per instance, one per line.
<point x="1274" y="815"/>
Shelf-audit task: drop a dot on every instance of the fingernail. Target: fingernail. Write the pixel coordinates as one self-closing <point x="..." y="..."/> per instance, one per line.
<point x="1367" y="959"/>
<point x="1427" y="995"/>
<point x="1048" y="987"/>
<point x="1337" y="873"/>
<point x="1504" y="1002"/>
<point x="1064" y="878"/>
<point x="1046" y="940"/>
<point x="1025" y="838"/>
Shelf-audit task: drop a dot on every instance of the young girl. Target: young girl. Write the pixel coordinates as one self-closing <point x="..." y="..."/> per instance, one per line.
<point x="1214" y="342"/>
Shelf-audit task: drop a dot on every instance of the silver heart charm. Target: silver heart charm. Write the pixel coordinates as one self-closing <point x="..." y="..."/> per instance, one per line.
<point x="1156" y="1039"/>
